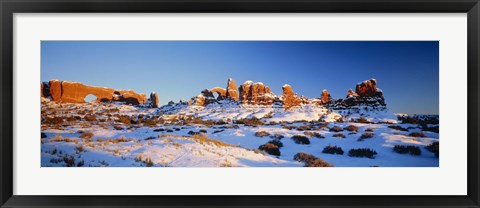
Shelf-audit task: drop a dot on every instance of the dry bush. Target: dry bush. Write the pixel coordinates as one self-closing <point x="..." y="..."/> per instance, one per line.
<point x="43" y="135"/>
<point x="312" y="134"/>
<point x="90" y="117"/>
<point x="333" y="150"/>
<point x="417" y="134"/>
<point x="54" y="120"/>
<point x="362" y="152"/>
<point x="300" y="139"/>
<point x="351" y="128"/>
<point x="304" y="128"/>
<point x="303" y="157"/>
<point x="124" y="119"/>
<point x="87" y="135"/>
<point x="369" y="130"/>
<point x="59" y="138"/>
<point x="318" y="163"/>
<point x="397" y="128"/>
<point x="434" y="147"/>
<point x="120" y="139"/>
<point x="79" y="149"/>
<point x="336" y="129"/>
<point x="362" y="120"/>
<point x="276" y="142"/>
<point x="262" y="134"/>
<point x="202" y="138"/>
<point x="310" y="160"/>
<point x="413" y="150"/>
<point x="366" y="135"/>
<point x="339" y="135"/>
<point x="270" y="148"/>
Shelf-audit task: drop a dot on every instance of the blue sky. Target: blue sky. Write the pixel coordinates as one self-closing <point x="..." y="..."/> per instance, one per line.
<point x="407" y="71"/>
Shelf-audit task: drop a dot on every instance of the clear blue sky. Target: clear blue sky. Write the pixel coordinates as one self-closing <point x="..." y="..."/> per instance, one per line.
<point x="407" y="71"/>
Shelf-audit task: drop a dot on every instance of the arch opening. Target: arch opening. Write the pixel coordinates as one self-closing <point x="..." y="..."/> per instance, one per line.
<point x="90" y="98"/>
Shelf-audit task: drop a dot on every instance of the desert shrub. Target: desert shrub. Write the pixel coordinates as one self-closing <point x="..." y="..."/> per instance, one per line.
<point x="339" y="135"/>
<point x="79" y="149"/>
<point x="149" y="138"/>
<point x="87" y="135"/>
<point x="160" y="129"/>
<point x="124" y="119"/>
<point x="254" y="121"/>
<point x="310" y="160"/>
<point x="202" y="131"/>
<point x="43" y="135"/>
<point x="288" y="127"/>
<point x="413" y="150"/>
<point x="434" y="147"/>
<point x="217" y="131"/>
<point x="351" y="128"/>
<point x="366" y="135"/>
<point x="169" y="130"/>
<point x="369" y="130"/>
<point x="59" y="138"/>
<point x="220" y="122"/>
<point x="277" y="136"/>
<point x="54" y="120"/>
<point x="431" y="129"/>
<point x="81" y="163"/>
<point x="202" y="138"/>
<point x="317" y="162"/>
<point x="270" y="148"/>
<point x="313" y="134"/>
<point x="177" y="129"/>
<point x="362" y="152"/>
<point x="192" y="132"/>
<point x="276" y="142"/>
<point x="362" y="120"/>
<point x="333" y="150"/>
<point x="303" y="157"/>
<point x="304" y="128"/>
<point x="261" y="134"/>
<point x="150" y="122"/>
<point x="116" y="127"/>
<point x="336" y="129"/>
<point x="417" y="134"/>
<point x="120" y="139"/>
<point x="300" y="139"/>
<point x="397" y="128"/>
<point x="90" y="117"/>
<point x="69" y="160"/>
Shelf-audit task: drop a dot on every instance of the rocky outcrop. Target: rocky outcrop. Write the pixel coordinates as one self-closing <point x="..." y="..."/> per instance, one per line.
<point x="326" y="98"/>
<point x="289" y="98"/>
<point x="232" y="92"/>
<point x="366" y="94"/>
<point x="204" y="98"/>
<point x="221" y="92"/>
<point x="75" y="92"/>
<point x="255" y="94"/>
<point x="55" y="90"/>
<point x="153" y="100"/>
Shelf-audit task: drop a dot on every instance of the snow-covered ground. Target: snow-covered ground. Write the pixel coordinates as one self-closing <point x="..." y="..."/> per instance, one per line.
<point x="168" y="137"/>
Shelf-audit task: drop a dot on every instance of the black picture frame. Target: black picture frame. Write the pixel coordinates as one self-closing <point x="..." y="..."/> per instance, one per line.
<point x="9" y="7"/>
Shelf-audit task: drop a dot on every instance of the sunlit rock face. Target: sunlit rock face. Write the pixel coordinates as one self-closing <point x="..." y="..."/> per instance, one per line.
<point x="255" y="94"/>
<point x="366" y="94"/>
<point x="75" y="92"/>
<point x="221" y="92"/>
<point x="153" y="100"/>
<point x="232" y="92"/>
<point x="204" y="98"/>
<point x="289" y="98"/>
<point x="326" y="98"/>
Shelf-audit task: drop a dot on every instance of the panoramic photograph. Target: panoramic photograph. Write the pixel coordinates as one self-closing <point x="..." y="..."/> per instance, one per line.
<point x="239" y="104"/>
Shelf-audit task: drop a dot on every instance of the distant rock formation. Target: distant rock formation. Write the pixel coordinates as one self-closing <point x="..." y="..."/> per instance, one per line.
<point x="289" y="98"/>
<point x="366" y="93"/>
<point x="204" y="98"/>
<point x="326" y="98"/>
<point x="153" y="100"/>
<point x="255" y="94"/>
<point x="221" y="92"/>
<point x="232" y="92"/>
<point x="75" y="92"/>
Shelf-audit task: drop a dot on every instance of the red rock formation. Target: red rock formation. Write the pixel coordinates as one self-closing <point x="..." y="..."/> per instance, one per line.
<point x="289" y="98"/>
<point x="326" y="96"/>
<point x="75" y="92"/>
<point x="255" y="94"/>
<point x="351" y="93"/>
<point x="367" y="88"/>
<point x="56" y="90"/>
<point x="204" y="98"/>
<point x="232" y="92"/>
<point x="41" y="90"/>
<point x="154" y="100"/>
<point x="221" y="92"/>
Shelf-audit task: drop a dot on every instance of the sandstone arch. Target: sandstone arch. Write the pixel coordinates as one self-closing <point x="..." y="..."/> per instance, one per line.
<point x="221" y="92"/>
